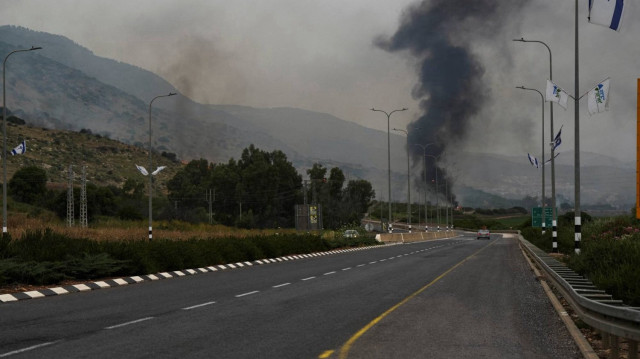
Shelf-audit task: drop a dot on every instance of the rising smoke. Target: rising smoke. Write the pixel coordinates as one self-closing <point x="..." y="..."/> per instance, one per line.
<point x="439" y="34"/>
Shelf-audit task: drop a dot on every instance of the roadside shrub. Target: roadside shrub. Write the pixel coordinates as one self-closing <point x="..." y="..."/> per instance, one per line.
<point x="610" y="257"/>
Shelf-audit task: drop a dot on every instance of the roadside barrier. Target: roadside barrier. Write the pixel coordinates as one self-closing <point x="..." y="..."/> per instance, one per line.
<point x="412" y="237"/>
<point x="595" y="307"/>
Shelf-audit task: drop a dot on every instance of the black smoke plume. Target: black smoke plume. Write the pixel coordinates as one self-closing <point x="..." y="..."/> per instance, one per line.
<point x="439" y="35"/>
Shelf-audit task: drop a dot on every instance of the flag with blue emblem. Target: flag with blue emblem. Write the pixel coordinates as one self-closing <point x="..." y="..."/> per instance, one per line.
<point x="606" y="13"/>
<point x="598" y="98"/>
<point x="142" y="170"/>
<point x="533" y="160"/>
<point x="556" y="94"/>
<point x="20" y="149"/>
<point x="557" y="140"/>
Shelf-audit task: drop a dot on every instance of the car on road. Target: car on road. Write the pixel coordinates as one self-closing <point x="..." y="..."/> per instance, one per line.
<point x="350" y="233"/>
<point x="484" y="233"/>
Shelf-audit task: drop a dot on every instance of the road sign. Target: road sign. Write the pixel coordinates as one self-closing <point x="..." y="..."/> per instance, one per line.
<point x="536" y="216"/>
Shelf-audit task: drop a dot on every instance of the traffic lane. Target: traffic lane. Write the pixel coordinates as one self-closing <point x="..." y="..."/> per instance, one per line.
<point x="46" y="320"/>
<point x="31" y="322"/>
<point x="491" y="306"/>
<point x="299" y="320"/>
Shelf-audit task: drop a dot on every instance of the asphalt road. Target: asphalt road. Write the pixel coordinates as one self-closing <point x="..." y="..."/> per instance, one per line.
<point x="488" y="305"/>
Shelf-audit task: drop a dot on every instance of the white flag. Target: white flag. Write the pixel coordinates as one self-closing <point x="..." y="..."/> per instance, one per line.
<point x="20" y="149"/>
<point x="556" y="94"/>
<point x="598" y="98"/>
<point x="158" y="170"/>
<point x="142" y="170"/>
<point x="606" y="12"/>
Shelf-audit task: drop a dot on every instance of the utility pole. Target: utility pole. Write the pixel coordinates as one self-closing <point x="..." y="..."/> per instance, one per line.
<point x="70" y="212"/>
<point x="84" y="223"/>
<point x="211" y="197"/>
<point x="304" y="183"/>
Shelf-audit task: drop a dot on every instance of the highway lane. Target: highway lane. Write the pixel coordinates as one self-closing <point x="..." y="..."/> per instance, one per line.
<point x="299" y="309"/>
<point x="491" y="306"/>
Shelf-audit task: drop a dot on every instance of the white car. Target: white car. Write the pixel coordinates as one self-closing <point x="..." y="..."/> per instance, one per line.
<point x="484" y="233"/>
<point x="350" y="233"/>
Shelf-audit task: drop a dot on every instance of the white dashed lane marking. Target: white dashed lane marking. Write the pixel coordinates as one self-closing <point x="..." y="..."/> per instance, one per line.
<point x="129" y="323"/>
<point x="281" y="285"/>
<point x="198" y="305"/>
<point x="248" y="293"/>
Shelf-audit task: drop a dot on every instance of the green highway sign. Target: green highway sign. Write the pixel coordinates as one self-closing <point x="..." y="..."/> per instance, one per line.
<point x="536" y="216"/>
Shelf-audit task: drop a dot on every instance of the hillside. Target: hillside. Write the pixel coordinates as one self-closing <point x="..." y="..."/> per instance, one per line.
<point x="66" y="86"/>
<point x="108" y="162"/>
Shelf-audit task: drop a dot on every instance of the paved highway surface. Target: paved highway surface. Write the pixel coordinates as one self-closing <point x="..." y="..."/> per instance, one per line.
<point x="457" y="297"/>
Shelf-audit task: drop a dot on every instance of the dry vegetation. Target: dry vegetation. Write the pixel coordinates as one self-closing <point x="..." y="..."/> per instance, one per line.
<point x="116" y="230"/>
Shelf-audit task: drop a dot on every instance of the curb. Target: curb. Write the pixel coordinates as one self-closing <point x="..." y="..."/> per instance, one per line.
<point x="582" y="343"/>
<point x="118" y="282"/>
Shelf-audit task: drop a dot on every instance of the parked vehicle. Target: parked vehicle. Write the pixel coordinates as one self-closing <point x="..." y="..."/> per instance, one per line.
<point x="350" y="233"/>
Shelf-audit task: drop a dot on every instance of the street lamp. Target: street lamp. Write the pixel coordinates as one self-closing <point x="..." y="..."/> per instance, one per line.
<point x="436" y="158"/>
<point x="542" y="97"/>
<point x="4" y="137"/>
<point x="424" y="160"/>
<point x="151" y="166"/>
<point x="389" y="157"/>
<point x="408" y="180"/>
<point x="554" y="216"/>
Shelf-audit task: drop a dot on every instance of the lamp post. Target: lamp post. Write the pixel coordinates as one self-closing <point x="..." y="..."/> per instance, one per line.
<point x="408" y="180"/>
<point x="554" y="215"/>
<point x="4" y="136"/>
<point x="541" y="97"/>
<point x="424" y="160"/>
<point x="151" y="167"/>
<point x="389" y="157"/>
<point x="436" y="158"/>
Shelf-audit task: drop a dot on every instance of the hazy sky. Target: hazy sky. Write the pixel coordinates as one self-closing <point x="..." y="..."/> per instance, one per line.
<point x="320" y="55"/>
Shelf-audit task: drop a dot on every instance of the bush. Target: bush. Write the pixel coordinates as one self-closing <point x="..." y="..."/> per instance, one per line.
<point x="610" y="257"/>
<point x="46" y="257"/>
<point x="609" y="253"/>
<point x="28" y="184"/>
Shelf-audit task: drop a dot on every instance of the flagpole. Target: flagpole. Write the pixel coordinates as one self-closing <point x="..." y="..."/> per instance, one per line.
<point x="543" y="162"/>
<point x="554" y="215"/>
<point x="578" y="220"/>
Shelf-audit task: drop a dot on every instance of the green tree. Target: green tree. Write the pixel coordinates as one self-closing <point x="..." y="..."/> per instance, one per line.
<point x="358" y="195"/>
<point x="266" y="183"/>
<point x="28" y="185"/>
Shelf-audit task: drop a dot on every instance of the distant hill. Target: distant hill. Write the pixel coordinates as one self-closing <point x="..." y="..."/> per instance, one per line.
<point x="65" y="86"/>
<point x="604" y="180"/>
<point x="108" y="162"/>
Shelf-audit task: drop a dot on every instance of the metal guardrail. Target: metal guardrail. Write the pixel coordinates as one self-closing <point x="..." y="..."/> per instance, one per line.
<point x="595" y="307"/>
